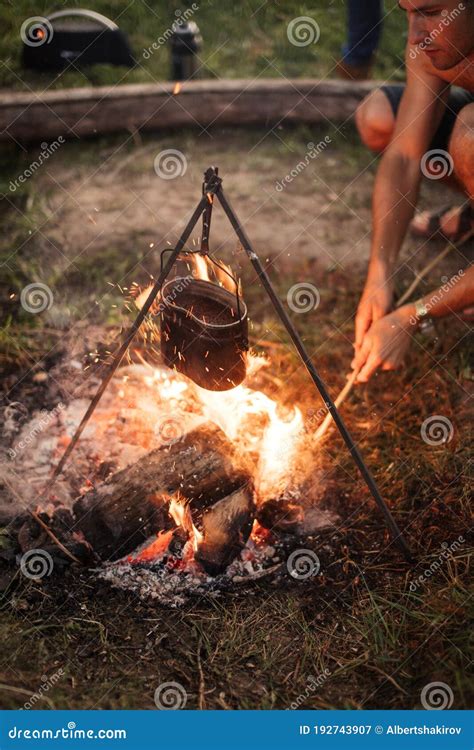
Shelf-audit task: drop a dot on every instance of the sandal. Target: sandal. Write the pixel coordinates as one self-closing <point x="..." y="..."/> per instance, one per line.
<point x="433" y="228"/>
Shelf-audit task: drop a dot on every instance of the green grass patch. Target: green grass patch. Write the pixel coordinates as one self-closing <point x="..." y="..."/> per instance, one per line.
<point x="241" y="40"/>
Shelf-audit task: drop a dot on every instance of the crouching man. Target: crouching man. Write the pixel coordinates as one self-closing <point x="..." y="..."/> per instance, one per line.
<point x="422" y="127"/>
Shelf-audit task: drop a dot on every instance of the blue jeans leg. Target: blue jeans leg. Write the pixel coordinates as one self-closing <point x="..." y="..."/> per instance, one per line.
<point x="364" y="29"/>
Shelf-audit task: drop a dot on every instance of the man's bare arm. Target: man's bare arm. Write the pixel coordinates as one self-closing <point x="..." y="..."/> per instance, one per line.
<point x="397" y="186"/>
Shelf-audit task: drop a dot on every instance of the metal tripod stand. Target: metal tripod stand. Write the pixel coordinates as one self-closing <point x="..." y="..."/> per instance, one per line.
<point x="212" y="187"/>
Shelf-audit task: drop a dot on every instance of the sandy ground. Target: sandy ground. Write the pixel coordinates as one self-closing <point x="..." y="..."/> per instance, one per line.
<point x="105" y="200"/>
<point x="117" y="199"/>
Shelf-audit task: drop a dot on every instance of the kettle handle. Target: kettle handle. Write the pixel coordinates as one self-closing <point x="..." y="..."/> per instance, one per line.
<point x="91" y="14"/>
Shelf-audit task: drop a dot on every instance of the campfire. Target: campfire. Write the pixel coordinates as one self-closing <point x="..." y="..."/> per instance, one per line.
<point x="221" y="457"/>
<point x="176" y="490"/>
<point x="212" y="486"/>
<point x="223" y="479"/>
<point x="222" y="466"/>
<point x="211" y="481"/>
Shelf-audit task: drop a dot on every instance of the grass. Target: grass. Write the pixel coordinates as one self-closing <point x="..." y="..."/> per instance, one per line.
<point x="378" y="644"/>
<point x="360" y="627"/>
<point x="241" y="40"/>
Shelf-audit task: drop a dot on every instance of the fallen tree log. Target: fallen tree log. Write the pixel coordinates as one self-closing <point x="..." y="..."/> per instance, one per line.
<point x="73" y="113"/>
<point x="118" y="515"/>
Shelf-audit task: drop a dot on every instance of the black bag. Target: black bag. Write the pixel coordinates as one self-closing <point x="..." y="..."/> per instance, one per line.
<point x="82" y="37"/>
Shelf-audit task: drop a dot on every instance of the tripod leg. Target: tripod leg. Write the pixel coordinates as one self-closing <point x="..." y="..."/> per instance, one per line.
<point x="129" y="337"/>
<point x="295" y="337"/>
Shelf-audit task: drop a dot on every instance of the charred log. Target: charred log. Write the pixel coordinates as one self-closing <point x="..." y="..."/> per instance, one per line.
<point x="226" y="527"/>
<point x="287" y="516"/>
<point x="203" y="466"/>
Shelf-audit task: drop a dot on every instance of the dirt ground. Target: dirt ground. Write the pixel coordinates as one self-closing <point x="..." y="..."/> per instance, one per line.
<point x="360" y="632"/>
<point x="118" y="201"/>
<point x="101" y="206"/>
<point x="102" y="210"/>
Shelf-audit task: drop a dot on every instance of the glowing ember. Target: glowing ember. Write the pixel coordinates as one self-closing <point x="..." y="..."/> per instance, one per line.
<point x="155" y="550"/>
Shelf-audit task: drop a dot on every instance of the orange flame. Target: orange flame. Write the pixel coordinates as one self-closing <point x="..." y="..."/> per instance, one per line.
<point x="155" y="550"/>
<point x="220" y="272"/>
<point x="276" y="443"/>
<point x="141" y="296"/>
<point x="181" y="515"/>
<point x="201" y="266"/>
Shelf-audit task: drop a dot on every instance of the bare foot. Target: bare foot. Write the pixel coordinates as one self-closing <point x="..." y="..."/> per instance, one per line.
<point x="452" y="224"/>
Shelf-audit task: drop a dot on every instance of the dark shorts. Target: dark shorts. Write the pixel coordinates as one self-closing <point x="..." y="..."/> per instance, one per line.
<point x="458" y="98"/>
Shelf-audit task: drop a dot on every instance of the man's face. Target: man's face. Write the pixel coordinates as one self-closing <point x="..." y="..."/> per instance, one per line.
<point x="444" y="31"/>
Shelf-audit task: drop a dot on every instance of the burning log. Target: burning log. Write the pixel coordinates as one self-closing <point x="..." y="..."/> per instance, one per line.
<point x="226" y="527"/>
<point x="203" y="466"/>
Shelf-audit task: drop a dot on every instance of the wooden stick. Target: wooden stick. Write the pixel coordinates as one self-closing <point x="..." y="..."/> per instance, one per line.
<point x="324" y="426"/>
<point x="201" y="694"/>
<point x="53" y="536"/>
<point x="429" y="266"/>
<point x="338" y="401"/>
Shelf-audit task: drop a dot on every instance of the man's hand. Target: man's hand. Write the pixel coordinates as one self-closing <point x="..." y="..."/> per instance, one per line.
<point x="386" y="343"/>
<point x="375" y="303"/>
